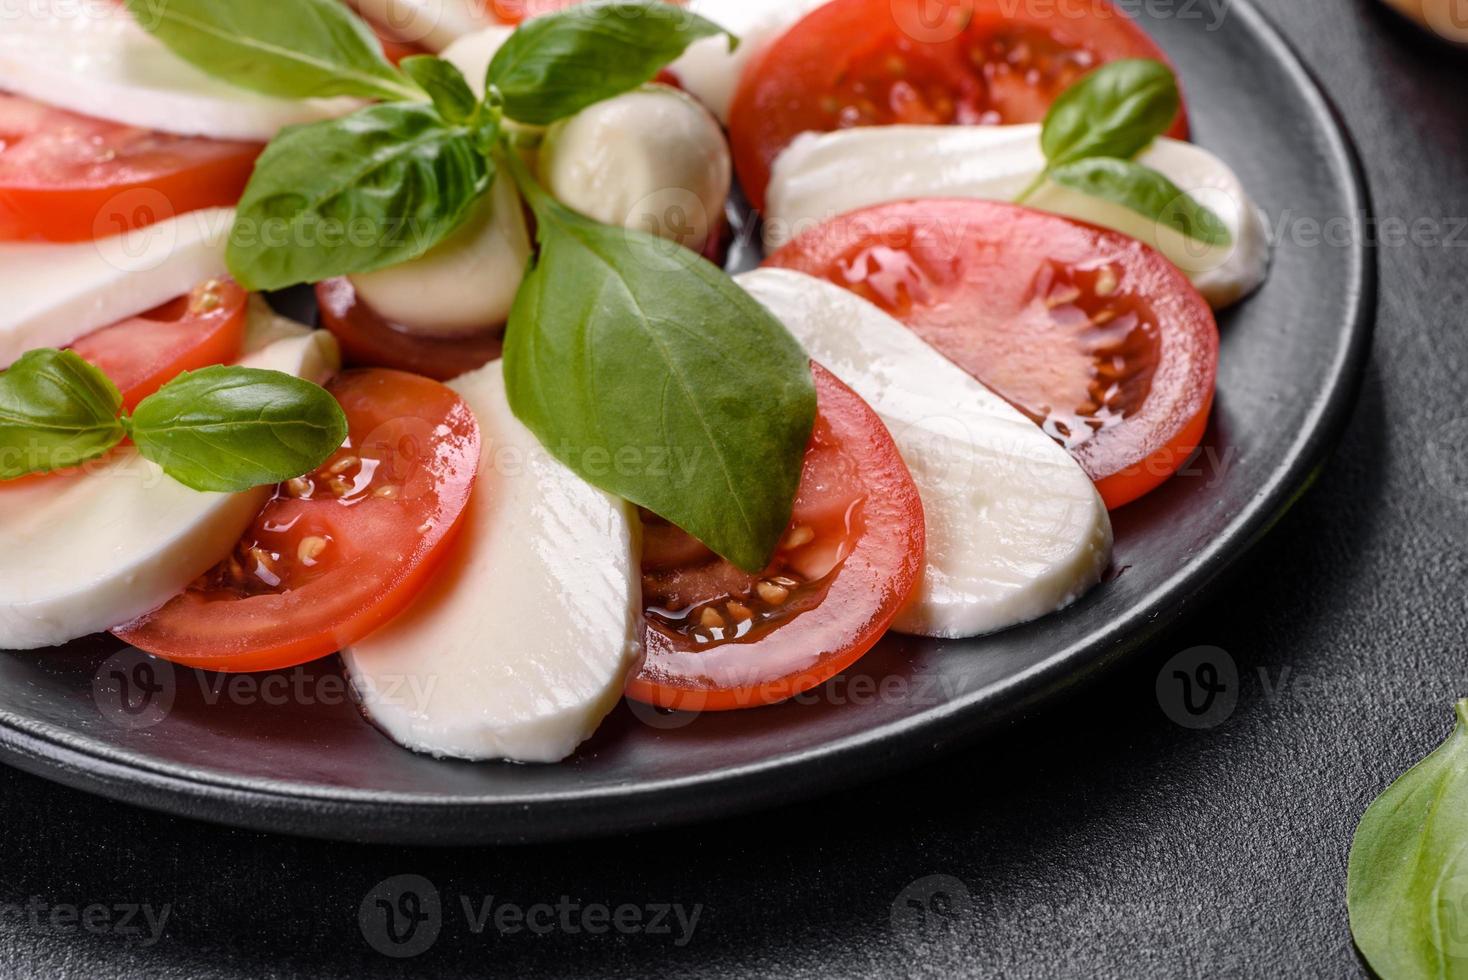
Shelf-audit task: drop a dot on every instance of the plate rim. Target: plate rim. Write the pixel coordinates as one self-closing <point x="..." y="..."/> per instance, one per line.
<point x="374" y="816"/>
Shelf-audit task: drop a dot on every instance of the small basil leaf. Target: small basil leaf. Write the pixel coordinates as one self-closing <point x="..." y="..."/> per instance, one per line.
<point x="228" y="429"/>
<point x="647" y="371"/>
<point x="373" y="189"/>
<point x="297" y="50"/>
<point x="1147" y="192"/>
<point x="1115" y="111"/>
<point x="444" y="84"/>
<point x="558" y="64"/>
<point x="1407" y="876"/>
<point x="56" y="410"/>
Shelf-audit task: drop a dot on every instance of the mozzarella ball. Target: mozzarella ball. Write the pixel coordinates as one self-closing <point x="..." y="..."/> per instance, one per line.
<point x="472" y="53"/>
<point x="465" y="284"/>
<point x="654" y="160"/>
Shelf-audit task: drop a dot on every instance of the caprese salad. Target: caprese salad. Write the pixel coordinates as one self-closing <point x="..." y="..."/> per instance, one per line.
<point x="543" y="453"/>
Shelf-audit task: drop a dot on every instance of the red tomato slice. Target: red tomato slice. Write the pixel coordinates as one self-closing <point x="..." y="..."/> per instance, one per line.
<point x="516" y="11"/>
<point x="883" y="62"/>
<point x="143" y="354"/>
<point x="338" y="553"/>
<point x="70" y="178"/>
<point x="369" y="340"/>
<point x="1095" y="336"/>
<point x="718" y="638"/>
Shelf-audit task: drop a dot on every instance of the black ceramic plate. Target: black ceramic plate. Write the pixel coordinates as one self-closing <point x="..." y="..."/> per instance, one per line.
<point x="290" y="753"/>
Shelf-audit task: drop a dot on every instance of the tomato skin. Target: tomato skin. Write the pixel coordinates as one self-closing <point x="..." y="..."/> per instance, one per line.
<point x="1095" y="336"/>
<point x="855" y="603"/>
<point x="387" y="507"/>
<point x="144" y="353"/>
<point x="879" y="62"/>
<point x="369" y="340"/>
<point x="71" y="178"/>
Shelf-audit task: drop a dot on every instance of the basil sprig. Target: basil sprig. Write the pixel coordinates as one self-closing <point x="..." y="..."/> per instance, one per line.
<point x="1095" y="128"/>
<point x="349" y="195"/>
<point x="224" y="429"/>
<point x="297" y="50"/>
<point x="1407" y="877"/>
<point x="554" y="67"/>
<point x="633" y="358"/>
<point x="635" y="362"/>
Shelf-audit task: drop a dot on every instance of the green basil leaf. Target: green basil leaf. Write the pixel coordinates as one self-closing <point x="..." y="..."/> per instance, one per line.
<point x="651" y="374"/>
<point x="229" y="429"/>
<point x="1115" y="111"/>
<point x="56" y="410"/>
<point x="1146" y="192"/>
<point x="444" y="84"/>
<point x="1407" y="877"/>
<point x="558" y="64"/>
<point x="299" y="49"/>
<point x="373" y="189"/>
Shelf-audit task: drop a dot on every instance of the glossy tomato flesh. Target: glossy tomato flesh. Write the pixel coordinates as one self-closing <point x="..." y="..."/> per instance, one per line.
<point x="144" y="353"/>
<point x="718" y="638"/>
<point x="337" y="553"/>
<point x="885" y="62"/>
<point x="68" y="178"/>
<point x="370" y="340"/>
<point x="1095" y="336"/>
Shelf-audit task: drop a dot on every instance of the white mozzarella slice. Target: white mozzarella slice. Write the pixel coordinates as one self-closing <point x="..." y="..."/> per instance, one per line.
<point x="820" y="176"/>
<point x="435" y="24"/>
<point x="1015" y="528"/>
<point x="653" y="160"/>
<point x="89" y="550"/>
<point x="472" y="53"/>
<point x="709" y="70"/>
<point x="57" y="293"/>
<point x="522" y="642"/>
<point x="94" y="59"/>
<point x="465" y="284"/>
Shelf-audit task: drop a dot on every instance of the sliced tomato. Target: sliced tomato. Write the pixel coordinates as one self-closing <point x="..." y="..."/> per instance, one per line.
<point x="1095" y="336"/>
<point x="718" y="638"/>
<point x="516" y="11"/>
<point x="194" y="331"/>
<point x="338" y="553"/>
<point x="884" y="62"/>
<point x="369" y="340"/>
<point x="70" y="178"/>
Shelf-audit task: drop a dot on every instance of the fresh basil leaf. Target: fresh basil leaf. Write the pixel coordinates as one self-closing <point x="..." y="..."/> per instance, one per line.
<point x="1147" y="192"/>
<point x="229" y="429"/>
<point x="56" y="410"/>
<point x="558" y="64"/>
<point x="444" y="84"/>
<point x="1407" y="877"/>
<point x="373" y="189"/>
<point x="1115" y="111"/>
<point x="647" y="371"/>
<point x="298" y="49"/>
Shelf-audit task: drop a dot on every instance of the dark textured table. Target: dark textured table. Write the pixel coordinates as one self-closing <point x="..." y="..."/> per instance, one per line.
<point x="1096" y="838"/>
